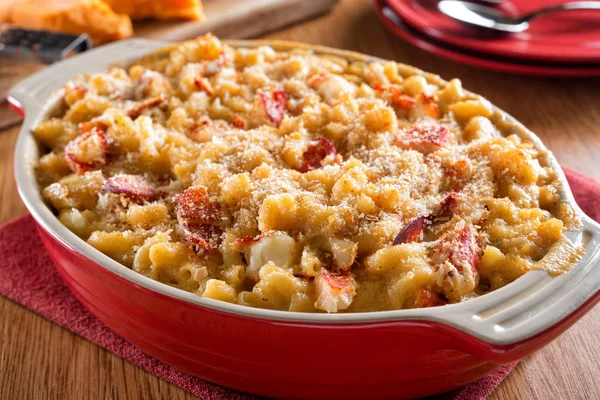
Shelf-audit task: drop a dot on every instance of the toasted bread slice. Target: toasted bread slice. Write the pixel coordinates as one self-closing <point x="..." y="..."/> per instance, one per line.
<point x="73" y="16"/>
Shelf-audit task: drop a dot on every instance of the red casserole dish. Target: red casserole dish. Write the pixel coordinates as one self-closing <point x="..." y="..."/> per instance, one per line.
<point x="388" y="354"/>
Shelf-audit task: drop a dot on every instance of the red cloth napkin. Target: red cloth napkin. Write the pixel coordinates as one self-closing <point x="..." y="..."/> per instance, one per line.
<point x="28" y="277"/>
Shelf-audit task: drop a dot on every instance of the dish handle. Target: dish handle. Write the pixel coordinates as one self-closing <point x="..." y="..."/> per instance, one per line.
<point x="28" y="96"/>
<point x="517" y="320"/>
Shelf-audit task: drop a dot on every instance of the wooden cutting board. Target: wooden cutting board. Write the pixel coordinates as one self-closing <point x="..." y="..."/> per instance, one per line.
<point x="236" y="19"/>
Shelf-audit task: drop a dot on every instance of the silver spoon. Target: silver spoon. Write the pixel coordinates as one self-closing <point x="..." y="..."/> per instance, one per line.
<point x="487" y="17"/>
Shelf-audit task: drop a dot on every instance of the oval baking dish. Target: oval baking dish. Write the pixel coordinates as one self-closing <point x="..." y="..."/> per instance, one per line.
<point x="403" y="353"/>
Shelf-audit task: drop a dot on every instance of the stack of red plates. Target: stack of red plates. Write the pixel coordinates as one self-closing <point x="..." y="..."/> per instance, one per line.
<point x="557" y="44"/>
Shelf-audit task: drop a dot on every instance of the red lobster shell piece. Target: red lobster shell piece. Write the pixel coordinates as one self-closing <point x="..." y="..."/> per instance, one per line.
<point x="316" y="153"/>
<point x="335" y="291"/>
<point x="399" y="99"/>
<point x="238" y="122"/>
<point x="427" y="298"/>
<point x="204" y="85"/>
<point x="89" y="125"/>
<point x="412" y="231"/>
<point x="460" y="248"/>
<point x="135" y="111"/>
<point x="194" y="206"/>
<point x="426" y="138"/>
<point x="203" y="237"/>
<point x="467" y="249"/>
<point x="275" y="105"/>
<point x="87" y="151"/>
<point x="133" y="187"/>
<point x="429" y="105"/>
<point x="74" y="91"/>
<point x="340" y="280"/>
<point x="449" y="206"/>
<point x="247" y="241"/>
<point x="199" y="217"/>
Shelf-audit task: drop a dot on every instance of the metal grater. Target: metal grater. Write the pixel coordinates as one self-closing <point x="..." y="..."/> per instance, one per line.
<point x="40" y="46"/>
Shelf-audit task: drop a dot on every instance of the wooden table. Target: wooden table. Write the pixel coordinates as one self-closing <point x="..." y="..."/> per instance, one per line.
<point x="41" y="360"/>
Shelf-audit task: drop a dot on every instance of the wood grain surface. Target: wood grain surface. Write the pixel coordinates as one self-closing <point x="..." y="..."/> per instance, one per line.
<point x="39" y="360"/>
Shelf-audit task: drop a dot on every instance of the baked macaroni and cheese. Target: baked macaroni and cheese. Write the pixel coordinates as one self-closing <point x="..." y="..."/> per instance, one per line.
<point x="299" y="181"/>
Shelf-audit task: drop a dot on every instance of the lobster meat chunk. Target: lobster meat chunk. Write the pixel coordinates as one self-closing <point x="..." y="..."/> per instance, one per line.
<point x="458" y="250"/>
<point x="274" y="247"/>
<point x="331" y="87"/>
<point x="426" y="138"/>
<point x="448" y="207"/>
<point x="195" y="207"/>
<point x="316" y="152"/>
<point x="398" y="99"/>
<point x="87" y="151"/>
<point x="151" y="84"/>
<point x="275" y="105"/>
<point x="335" y="291"/>
<point x="456" y="262"/>
<point x="343" y="252"/>
<point x="427" y="105"/>
<point x="202" y="237"/>
<point x="133" y="187"/>
<point x="205" y="128"/>
<point x="200" y="218"/>
<point x="213" y="67"/>
<point x="412" y="231"/>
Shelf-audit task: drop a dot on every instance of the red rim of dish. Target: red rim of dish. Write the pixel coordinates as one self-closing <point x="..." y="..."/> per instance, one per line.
<point x="418" y="17"/>
<point x="504" y="64"/>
